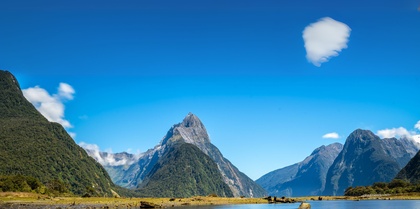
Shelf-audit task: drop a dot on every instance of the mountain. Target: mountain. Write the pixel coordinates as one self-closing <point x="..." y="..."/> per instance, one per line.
<point x="411" y="172"/>
<point x="366" y="159"/>
<point x="192" y="131"/>
<point x="306" y="178"/>
<point x="184" y="171"/>
<point x="30" y="145"/>
<point x="114" y="163"/>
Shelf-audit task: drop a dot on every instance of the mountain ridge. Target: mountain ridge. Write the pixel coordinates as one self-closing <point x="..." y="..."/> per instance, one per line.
<point x="366" y="159"/>
<point x="33" y="146"/>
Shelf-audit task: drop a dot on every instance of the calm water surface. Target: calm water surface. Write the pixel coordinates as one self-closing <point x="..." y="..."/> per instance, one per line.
<point x="367" y="204"/>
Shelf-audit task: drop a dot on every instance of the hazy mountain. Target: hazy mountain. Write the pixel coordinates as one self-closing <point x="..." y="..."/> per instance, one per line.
<point x="32" y="146"/>
<point x="192" y="131"/>
<point x="401" y="149"/>
<point x="114" y="163"/>
<point x="184" y="171"/>
<point x="366" y="159"/>
<point x="304" y="178"/>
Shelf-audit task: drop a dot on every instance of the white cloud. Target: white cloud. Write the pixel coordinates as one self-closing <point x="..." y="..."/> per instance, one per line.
<point x="416" y="138"/>
<point x="417" y="125"/>
<point x="325" y="39"/>
<point x="332" y="135"/>
<point x="108" y="158"/>
<point x="51" y="106"/>
<point x="394" y="132"/>
<point x="65" y="91"/>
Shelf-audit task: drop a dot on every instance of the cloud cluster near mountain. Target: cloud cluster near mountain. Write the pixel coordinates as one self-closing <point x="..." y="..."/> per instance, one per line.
<point x="401" y="132"/>
<point x="109" y="158"/>
<point x="51" y="106"/>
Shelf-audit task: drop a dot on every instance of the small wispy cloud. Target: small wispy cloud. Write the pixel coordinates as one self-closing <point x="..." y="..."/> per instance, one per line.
<point x="332" y="135"/>
<point x="417" y="125"/>
<point x="51" y="106"/>
<point x="325" y="39"/>
<point x="83" y="117"/>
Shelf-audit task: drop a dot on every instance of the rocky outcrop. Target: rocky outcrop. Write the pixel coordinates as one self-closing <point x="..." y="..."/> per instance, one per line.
<point x="304" y="205"/>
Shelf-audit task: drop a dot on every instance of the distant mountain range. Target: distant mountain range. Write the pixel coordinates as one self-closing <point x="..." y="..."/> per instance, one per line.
<point x="306" y="178"/>
<point x="363" y="160"/>
<point x="32" y="146"/>
<point x="144" y="171"/>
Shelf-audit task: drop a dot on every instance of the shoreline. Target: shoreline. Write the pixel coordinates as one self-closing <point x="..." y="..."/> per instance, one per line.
<point x="32" y="200"/>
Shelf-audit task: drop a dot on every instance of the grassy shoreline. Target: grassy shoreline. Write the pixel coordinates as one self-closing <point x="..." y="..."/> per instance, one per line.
<point x="31" y="200"/>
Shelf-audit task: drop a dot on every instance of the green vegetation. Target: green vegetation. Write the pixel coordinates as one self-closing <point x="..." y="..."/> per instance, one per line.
<point x="19" y="183"/>
<point x="32" y="146"/>
<point x="397" y="186"/>
<point x="185" y="171"/>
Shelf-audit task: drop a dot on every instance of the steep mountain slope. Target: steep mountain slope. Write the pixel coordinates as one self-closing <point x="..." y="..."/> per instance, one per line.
<point x="411" y="172"/>
<point x="191" y="130"/>
<point x="184" y="171"/>
<point x="365" y="159"/>
<point x="32" y="146"/>
<point x="304" y="178"/>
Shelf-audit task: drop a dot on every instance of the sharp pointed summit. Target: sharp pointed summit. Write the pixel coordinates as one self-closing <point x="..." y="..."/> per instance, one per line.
<point x="191" y="131"/>
<point x="192" y="120"/>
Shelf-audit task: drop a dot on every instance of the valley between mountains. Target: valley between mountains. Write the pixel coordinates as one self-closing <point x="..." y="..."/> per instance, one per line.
<point x="39" y="156"/>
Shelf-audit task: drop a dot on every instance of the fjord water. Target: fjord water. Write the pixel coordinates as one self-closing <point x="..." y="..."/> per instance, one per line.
<point x="366" y="204"/>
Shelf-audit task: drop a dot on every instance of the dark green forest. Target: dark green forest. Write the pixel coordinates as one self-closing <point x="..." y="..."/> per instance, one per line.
<point x="184" y="171"/>
<point x="32" y="146"/>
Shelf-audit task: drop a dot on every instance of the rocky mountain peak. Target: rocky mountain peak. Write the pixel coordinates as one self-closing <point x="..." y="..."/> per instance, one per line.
<point x="191" y="121"/>
<point x="191" y="130"/>
<point x="362" y="135"/>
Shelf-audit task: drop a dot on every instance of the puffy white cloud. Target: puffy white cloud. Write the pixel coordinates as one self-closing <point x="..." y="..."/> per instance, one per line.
<point x="394" y="132"/>
<point x="108" y="158"/>
<point x="51" y="106"/>
<point x="417" y="125"/>
<point x="332" y="135"/>
<point x="325" y="39"/>
<point x="65" y="91"/>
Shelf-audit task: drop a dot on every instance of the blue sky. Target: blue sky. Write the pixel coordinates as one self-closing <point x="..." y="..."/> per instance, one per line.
<point x="138" y="67"/>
